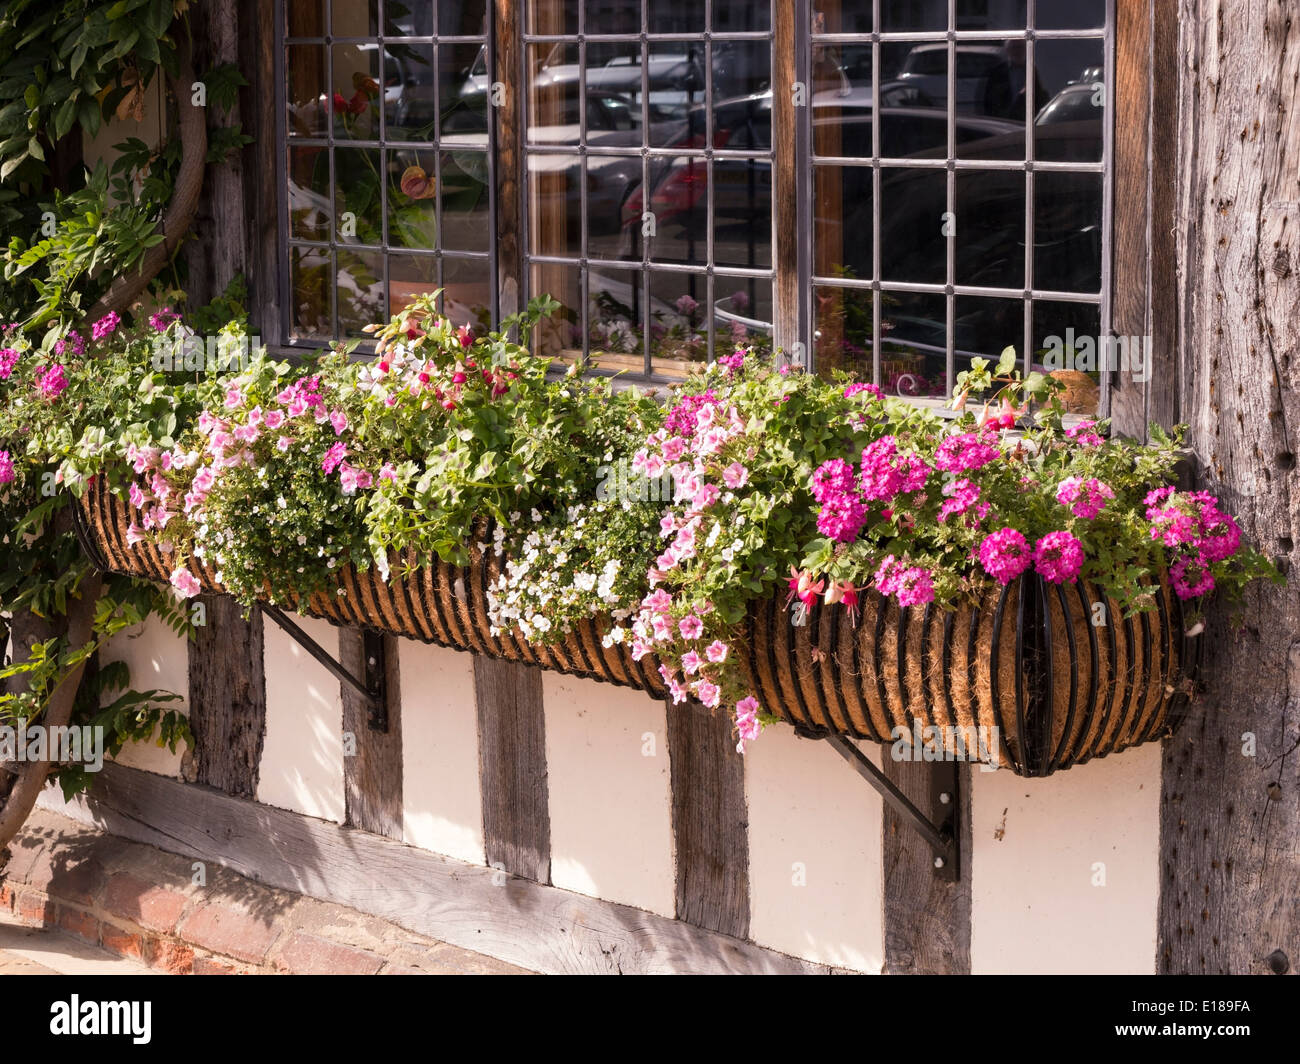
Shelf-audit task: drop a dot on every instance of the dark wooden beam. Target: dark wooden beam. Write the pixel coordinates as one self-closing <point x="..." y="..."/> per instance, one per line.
<point x="227" y="697"/>
<point x="512" y="768"/>
<point x="710" y="820"/>
<point x="927" y="919"/>
<point x="372" y="775"/>
<point x="537" y="927"/>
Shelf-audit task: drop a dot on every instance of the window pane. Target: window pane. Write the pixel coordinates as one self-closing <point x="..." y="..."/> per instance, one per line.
<point x="913" y="244"/>
<point x="305" y="69"/>
<point x="467" y="291"/>
<point x="1068" y="344"/>
<point x="616" y="316"/>
<point x="841" y="217"/>
<point x="842" y="323"/>
<point x="740" y="16"/>
<point x="465" y="199"/>
<point x="983" y="328"/>
<point x="679" y="321"/>
<point x="555" y="204"/>
<point x="355" y="95"/>
<point x="310" y="209"/>
<point x="560" y="335"/>
<point x="553" y="107"/>
<point x="551" y="17"/>
<point x="903" y="15"/>
<point x="914" y="343"/>
<point x="360" y="283"/>
<point x="409" y="104"/>
<point x="354" y="18"/>
<point x="1067" y="232"/>
<point x="680" y="16"/>
<point x="1070" y="14"/>
<point x="841" y="16"/>
<point x="409" y="277"/>
<point x="463" y="88"/>
<point x="613" y="16"/>
<point x="358" y="203"/>
<point x="742" y="315"/>
<point x="1068" y="124"/>
<point x="990" y="229"/>
<point x="310" y="279"/>
<point x="412" y="199"/>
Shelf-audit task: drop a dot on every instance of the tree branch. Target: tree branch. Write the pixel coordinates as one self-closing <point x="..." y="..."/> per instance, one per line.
<point x="193" y="132"/>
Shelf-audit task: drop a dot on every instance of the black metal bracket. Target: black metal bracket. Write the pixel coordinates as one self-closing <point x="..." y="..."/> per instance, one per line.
<point x="941" y="834"/>
<point x="372" y="686"/>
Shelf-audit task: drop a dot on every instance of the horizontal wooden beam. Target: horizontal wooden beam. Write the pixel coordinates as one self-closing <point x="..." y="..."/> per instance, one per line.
<point x="541" y="928"/>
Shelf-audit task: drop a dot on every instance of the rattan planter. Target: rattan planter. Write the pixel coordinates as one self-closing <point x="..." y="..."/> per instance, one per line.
<point x="1027" y="661"/>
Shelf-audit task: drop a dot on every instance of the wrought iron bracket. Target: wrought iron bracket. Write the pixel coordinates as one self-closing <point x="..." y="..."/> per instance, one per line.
<point x="371" y="686"/>
<point x="940" y="833"/>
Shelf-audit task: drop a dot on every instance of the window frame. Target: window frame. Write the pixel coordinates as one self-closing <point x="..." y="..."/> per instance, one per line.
<point x="1124" y="34"/>
<point x="288" y="342"/>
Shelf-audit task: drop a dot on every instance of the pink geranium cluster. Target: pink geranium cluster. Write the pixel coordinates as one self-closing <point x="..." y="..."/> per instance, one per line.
<point x="1085" y="434"/>
<point x="153" y="494"/>
<point x="160" y="321"/>
<point x="1191" y="523"/>
<point x="963" y="498"/>
<point x="910" y="584"/>
<point x="967" y="451"/>
<point x="1057" y="556"/>
<point x="7" y="473"/>
<point x="859" y="387"/>
<point x="9" y="357"/>
<point x="106" y="326"/>
<point x="843" y="513"/>
<point x="51" y="381"/>
<point x="1085" y="498"/>
<point x="682" y="419"/>
<point x="845" y="495"/>
<point x="73" y="341"/>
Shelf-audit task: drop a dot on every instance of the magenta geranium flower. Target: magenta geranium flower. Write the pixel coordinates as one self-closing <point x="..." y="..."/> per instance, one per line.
<point x="1005" y="555"/>
<point x="1058" y="557"/>
<point x="7" y="473"/>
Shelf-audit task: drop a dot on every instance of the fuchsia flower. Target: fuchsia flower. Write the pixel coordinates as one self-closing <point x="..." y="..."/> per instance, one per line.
<point x="1058" y="557"/>
<point x="1005" y="555"/>
<point x="465" y="335"/>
